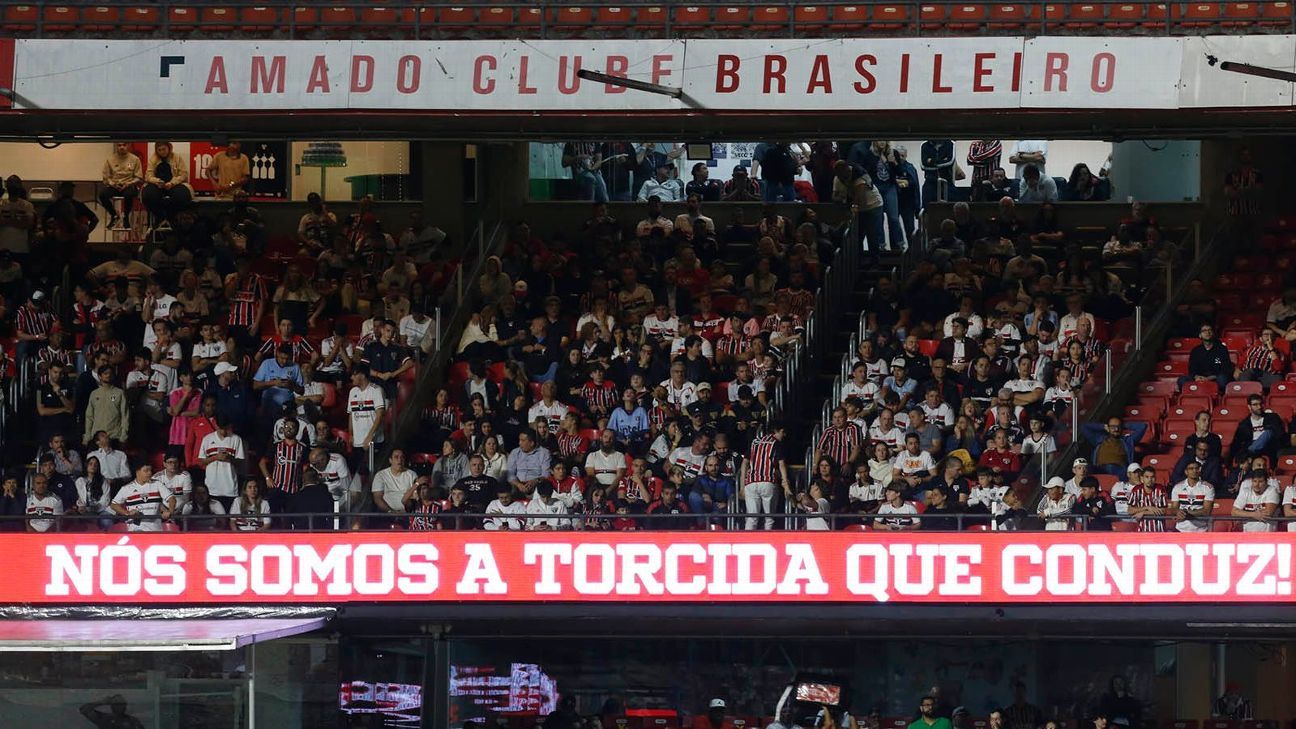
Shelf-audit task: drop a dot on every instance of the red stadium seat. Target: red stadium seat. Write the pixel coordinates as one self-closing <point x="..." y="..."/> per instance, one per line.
<point x="1181" y="724"/>
<point x="1223" y="507"/>
<point x="1283" y="388"/>
<point x="1286" y="465"/>
<point x="1080" y="17"/>
<point x="928" y="346"/>
<point x="613" y="18"/>
<point x="528" y="20"/>
<point x="572" y="20"/>
<point x="1201" y="15"/>
<point x="692" y="17"/>
<point x="1229" y="416"/>
<point x="1207" y="387"/>
<point x="181" y="20"/>
<point x="1124" y="16"/>
<point x="61" y="18"/>
<point x="1008" y="17"/>
<point x="850" y="17"/>
<point x="1181" y="344"/>
<point x="140" y="20"/>
<point x="217" y="20"/>
<point x="379" y="19"/>
<point x="100" y="19"/>
<point x="933" y="17"/>
<point x="1177" y="356"/>
<point x="259" y="20"/>
<point x="1243" y="389"/>
<point x="1157" y="13"/>
<point x="1167" y="368"/>
<point x="456" y="20"/>
<point x="1160" y="463"/>
<point x="651" y="17"/>
<point x="1105" y="480"/>
<point x="1236" y="341"/>
<point x="809" y="17"/>
<point x="729" y="18"/>
<point x="21" y="18"/>
<point x="497" y="17"/>
<point x="304" y="20"/>
<point x="769" y="17"/>
<point x="1276" y="14"/>
<point x="889" y="17"/>
<point x="1142" y="412"/>
<point x="1166" y="389"/>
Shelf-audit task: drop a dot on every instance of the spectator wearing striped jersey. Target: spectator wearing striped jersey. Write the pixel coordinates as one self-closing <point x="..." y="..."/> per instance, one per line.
<point x="1261" y="363"/>
<point x="282" y="469"/>
<point x="34" y="324"/>
<point x="841" y="441"/>
<point x="300" y="349"/>
<point x="144" y="502"/>
<point x="761" y="473"/>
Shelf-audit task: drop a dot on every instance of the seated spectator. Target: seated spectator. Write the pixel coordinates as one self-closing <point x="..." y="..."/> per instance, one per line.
<point x="1113" y="444"/>
<point x="662" y="186"/>
<point x="1083" y="186"/>
<point x="1192" y="500"/>
<point x="994" y="187"/>
<point x="1095" y="509"/>
<point x="1261" y="433"/>
<point x="1262" y="363"/>
<point x="122" y="175"/>
<point x="507" y="513"/>
<point x="895" y="514"/>
<point x="167" y="191"/>
<point x="1036" y="188"/>
<point x="1209" y="360"/>
<point x="1056" y="505"/>
<point x="1256" y="503"/>
<point x="740" y="188"/>
<point x="1282" y="314"/>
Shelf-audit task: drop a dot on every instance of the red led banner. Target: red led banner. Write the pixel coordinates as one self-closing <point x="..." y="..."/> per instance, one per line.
<point x="985" y="567"/>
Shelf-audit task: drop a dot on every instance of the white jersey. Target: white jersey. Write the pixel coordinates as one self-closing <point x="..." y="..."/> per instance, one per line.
<point x="603" y="467"/>
<point x="1120" y="492"/>
<point x="507" y="516"/>
<point x="1248" y="500"/>
<point x="991" y="497"/>
<point x="941" y="415"/>
<point x="660" y="328"/>
<point x="1192" y="497"/>
<point x="336" y="476"/>
<point x="42" y="510"/>
<point x="254" y="516"/>
<point x="551" y="412"/>
<point x="682" y="396"/>
<point x="867" y="392"/>
<point x="1289" y="499"/>
<point x="897" y="516"/>
<point x="363" y="405"/>
<point x="894" y="438"/>
<point x="867" y="491"/>
<point x="221" y="478"/>
<point x="909" y="463"/>
<point x="686" y="460"/>
<point x="148" y="499"/>
<point x="180" y="486"/>
<point x="538" y="508"/>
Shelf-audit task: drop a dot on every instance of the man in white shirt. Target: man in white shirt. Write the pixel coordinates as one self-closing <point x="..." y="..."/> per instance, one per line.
<point x="416" y="330"/>
<point x="1026" y="389"/>
<point x="548" y="407"/>
<point x="367" y="406"/>
<point x="1054" y="505"/>
<point x="1079" y="469"/>
<point x="336" y="477"/>
<point x="145" y="502"/>
<point x="661" y="325"/>
<point x="1029" y="152"/>
<point x="221" y="454"/>
<point x="42" y="506"/>
<point x="1256" y="502"/>
<point x="912" y="465"/>
<point x="1120" y="490"/>
<point x="1191" y="500"/>
<point x="544" y="504"/>
<point x="691" y="459"/>
<point x="607" y="464"/>
<point x="966" y="310"/>
<point x="506" y="510"/>
<point x="391" y="484"/>
<point x="885" y="430"/>
<point x="112" y="462"/>
<point x="936" y="410"/>
<point x="176" y="480"/>
<point x="1069" y="325"/>
<point x="1289" y="506"/>
<point x="679" y="392"/>
<point x="662" y="186"/>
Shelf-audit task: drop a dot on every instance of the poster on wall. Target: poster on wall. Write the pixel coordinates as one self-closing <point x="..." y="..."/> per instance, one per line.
<point x="268" y="160"/>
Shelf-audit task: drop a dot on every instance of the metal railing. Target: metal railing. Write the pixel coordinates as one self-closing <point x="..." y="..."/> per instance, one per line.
<point x="562" y="20"/>
<point x="795" y="519"/>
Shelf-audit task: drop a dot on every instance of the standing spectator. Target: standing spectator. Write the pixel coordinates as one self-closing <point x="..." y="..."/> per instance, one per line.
<point x="778" y="170"/>
<point x="585" y="160"/>
<point x="1029" y="152"/>
<point x="938" y="166"/>
<point x="144" y="502"/>
<point x="910" y="196"/>
<point x="367" y="406"/>
<point x="221" y="455"/>
<point x="107" y="409"/>
<point x="17" y="220"/>
<point x="763" y="467"/>
<point x="1022" y="714"/>
<point x="122" y="175"/>
<point x="879" y="161"/>
<point x="983" y="157"/>
<point x="855" y="188"/>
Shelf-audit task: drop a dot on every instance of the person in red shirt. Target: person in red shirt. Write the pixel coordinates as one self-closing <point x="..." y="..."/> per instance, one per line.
<point x="199" y="427"/>
<point x="1000" y="457"/>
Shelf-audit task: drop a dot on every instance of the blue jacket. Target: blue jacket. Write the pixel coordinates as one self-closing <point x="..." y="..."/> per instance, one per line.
<point x="1096" y="433"/>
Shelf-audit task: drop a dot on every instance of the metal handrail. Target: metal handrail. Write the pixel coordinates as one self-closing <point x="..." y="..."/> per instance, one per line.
<point x="381" y="521"/>
<point x="699" y="18"/>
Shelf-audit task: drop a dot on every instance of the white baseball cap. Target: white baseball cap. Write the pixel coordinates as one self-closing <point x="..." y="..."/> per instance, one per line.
<point x="1133" y="468"/>
<point x="223" y="367"/>
<point x="717" y="704"/>
<point x="1055" y="483"/>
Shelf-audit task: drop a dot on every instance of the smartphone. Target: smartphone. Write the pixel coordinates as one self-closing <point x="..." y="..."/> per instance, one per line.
<point x="828" y="694"/>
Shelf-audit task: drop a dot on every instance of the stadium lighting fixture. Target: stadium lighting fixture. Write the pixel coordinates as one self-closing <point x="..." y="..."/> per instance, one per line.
<point x="630" y="83"/>
<point x="1248" y="69"/>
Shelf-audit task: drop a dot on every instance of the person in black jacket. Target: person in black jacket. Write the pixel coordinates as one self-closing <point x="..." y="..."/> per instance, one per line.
<point x="1261" y="433"/>
<point x="1209" y="360"/>
<point x="1212" y="469"/>
<point x="13" y="505"/>
<point x="1094" y="504"/>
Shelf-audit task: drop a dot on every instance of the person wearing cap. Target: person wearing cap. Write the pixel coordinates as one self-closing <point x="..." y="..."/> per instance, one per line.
<point x="1256" y="502"/>
<point x="1120" y="491"/>
<point x="1079" y="469"/>
<point x="895" y="514"/>
<point x="1097" y="510"/>
<point x="234" y="400"/>
<point x="1113" y="444"/>
<point x="900" y="383"/>
<point x="1055" y="505"/>
<point x="715" y="717"/>
<point x="740" y="187"/>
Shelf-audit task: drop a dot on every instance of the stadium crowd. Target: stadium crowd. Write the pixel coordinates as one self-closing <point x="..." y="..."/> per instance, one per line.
<point x="233" y="377"/>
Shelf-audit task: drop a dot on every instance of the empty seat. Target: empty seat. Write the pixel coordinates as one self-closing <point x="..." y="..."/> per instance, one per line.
<point x="572" y="20"/>
<point x="1008" y="17"/>
<point x="1238" y="15"/>
<point x="140" y="20"/>
<point x="1080" y="17"/>
<point x="61" y="18"/>
<point x="651" y="17"/>
<point x="1207" y="387"/>
<point x="1276" y="14"/>
<point x="259" y="20"/>
<point x="100" y="19"/>
<point x="456" y="20"/>
<point x="764" y="17"/>
<point x="1124" y="16"/>
<point x="496" y="16"/>
<point x="613" y="18"/>
<point x="1200" y="15"/>
<point x="217" y="20"/>
<point x="933" y="17"/>
<point x="692" y="17"/>
<point x="730" y="18"/>
<point x="1243" y="389"/>
<point x="182" y="20"/>
<point x="810" y="18"/>
<point x="889" y="17"/>
<point x="1171" y="367"/>
<point x="21" y="18"/>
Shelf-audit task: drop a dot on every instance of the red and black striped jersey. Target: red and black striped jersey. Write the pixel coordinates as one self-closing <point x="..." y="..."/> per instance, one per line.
<point x="34" y="321"/>
<point x="837" y="443"/>
<point x="288" y="461"/>
<point x="243" y="303"/>
<point x="763" y="458"/>
<point x="602" y="397"/>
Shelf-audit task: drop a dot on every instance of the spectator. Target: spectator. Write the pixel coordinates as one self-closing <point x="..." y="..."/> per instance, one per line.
<point x="145" y="502"/>
<point x="1260" y="433"/>
<point x="122" y="175"/>
<point x="253" y="507"/>
<point x="42" y="507"/>
<point x="1096" y="510"/>
<point x="1113" y="444"/>
<point x="1263" y="362"/>
<point x="1029" y="152"/>
<point x="1209" y="360"/>
<point x="895" y="514"/>
<point x="229" y="170"/>
<point x="740" y="187"/>
<point x="1083" y="186"/>
<point x="662" y="186"/>
<point x="1149" y="503"/>
<point x="1212" y="470"/>
<point x="222" y="455"/>
<point x="1055" y="505"/>
<point x="167" y="191"/>
<point x="1035" y="188"/>
<point x="1191" y="501"/>
<point x="855" y="188"/>
<point x="1256" y="502"/>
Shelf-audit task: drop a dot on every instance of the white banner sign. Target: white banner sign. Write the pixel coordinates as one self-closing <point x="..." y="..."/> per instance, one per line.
<point x="763" y="76"/>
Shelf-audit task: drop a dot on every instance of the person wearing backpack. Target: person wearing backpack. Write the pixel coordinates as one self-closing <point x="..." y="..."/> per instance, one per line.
<point x="778" y="170"/>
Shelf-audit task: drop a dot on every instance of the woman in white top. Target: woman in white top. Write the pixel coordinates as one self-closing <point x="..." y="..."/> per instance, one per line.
<point x="93" y="490"/>
<point x="167" y="190"/>
<point x="879" y="464"/>
<point x="250" y="503"/>
<point x="496" y="461"/>
<point x="202" y="513"/>
<point x="814" y="502"/>
<point x="599" y="316"/>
